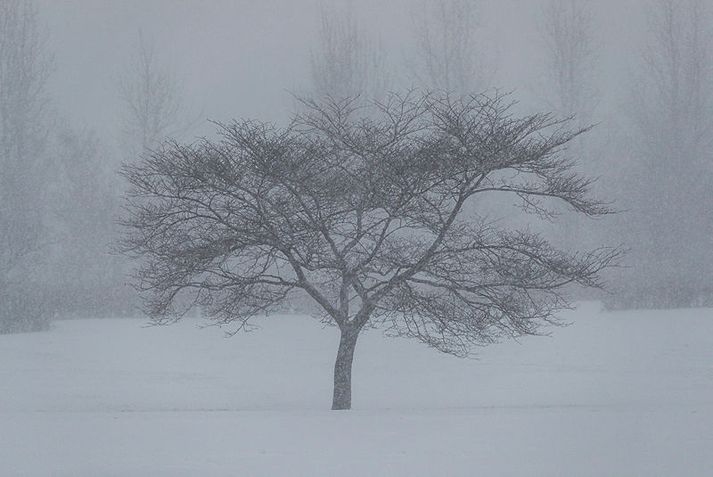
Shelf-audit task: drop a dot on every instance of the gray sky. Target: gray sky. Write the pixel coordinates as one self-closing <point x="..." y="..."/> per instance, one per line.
<point x="238" y="58"/>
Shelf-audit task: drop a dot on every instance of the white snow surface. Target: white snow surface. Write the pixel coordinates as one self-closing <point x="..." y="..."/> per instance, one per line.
<point x="613" y="394"/>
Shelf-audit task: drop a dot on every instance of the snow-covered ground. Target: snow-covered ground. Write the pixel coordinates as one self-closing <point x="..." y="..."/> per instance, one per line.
<point x="614" y="394"/>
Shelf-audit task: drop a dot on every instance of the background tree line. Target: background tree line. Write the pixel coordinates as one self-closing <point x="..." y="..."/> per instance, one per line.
<point x="59" y="192"/>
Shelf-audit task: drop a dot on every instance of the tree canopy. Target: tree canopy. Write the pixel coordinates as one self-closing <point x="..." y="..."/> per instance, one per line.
<point x="360" y="205"/>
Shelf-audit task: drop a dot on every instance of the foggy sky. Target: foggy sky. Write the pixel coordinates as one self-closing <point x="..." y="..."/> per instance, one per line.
<point x="239" y="58"/>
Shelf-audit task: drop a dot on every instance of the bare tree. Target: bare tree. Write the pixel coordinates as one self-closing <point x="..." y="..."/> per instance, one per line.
<point x="82" y="276"/>
<point x="567" y="30"/>
<point x="447" y="55"/>
<point x="675" y="93"/>
<point x="24" y="69"/>
<point x="152" y="100"/>
<point x="153" y="111"/>
<point x="362" y="208"/>
<point x="672" y="110"/>
<point x="568" y="33"/>
<point x="345" y="62"/>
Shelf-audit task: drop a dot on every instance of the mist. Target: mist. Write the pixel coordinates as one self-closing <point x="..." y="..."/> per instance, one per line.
<point x="238" y="60"/>
<point x="557" y="155"/>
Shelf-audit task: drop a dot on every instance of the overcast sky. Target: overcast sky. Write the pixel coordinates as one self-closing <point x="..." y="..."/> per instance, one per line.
<point x="239" y="58"/>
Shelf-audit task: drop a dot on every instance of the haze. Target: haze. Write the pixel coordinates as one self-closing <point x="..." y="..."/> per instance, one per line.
<point x="377" y="189"/>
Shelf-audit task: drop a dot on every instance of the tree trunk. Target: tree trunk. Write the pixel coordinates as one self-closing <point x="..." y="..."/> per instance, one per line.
<point x="342" y="398"/>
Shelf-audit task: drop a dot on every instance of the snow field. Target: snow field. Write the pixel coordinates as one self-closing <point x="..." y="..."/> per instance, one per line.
<point x="614" y="394"/>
